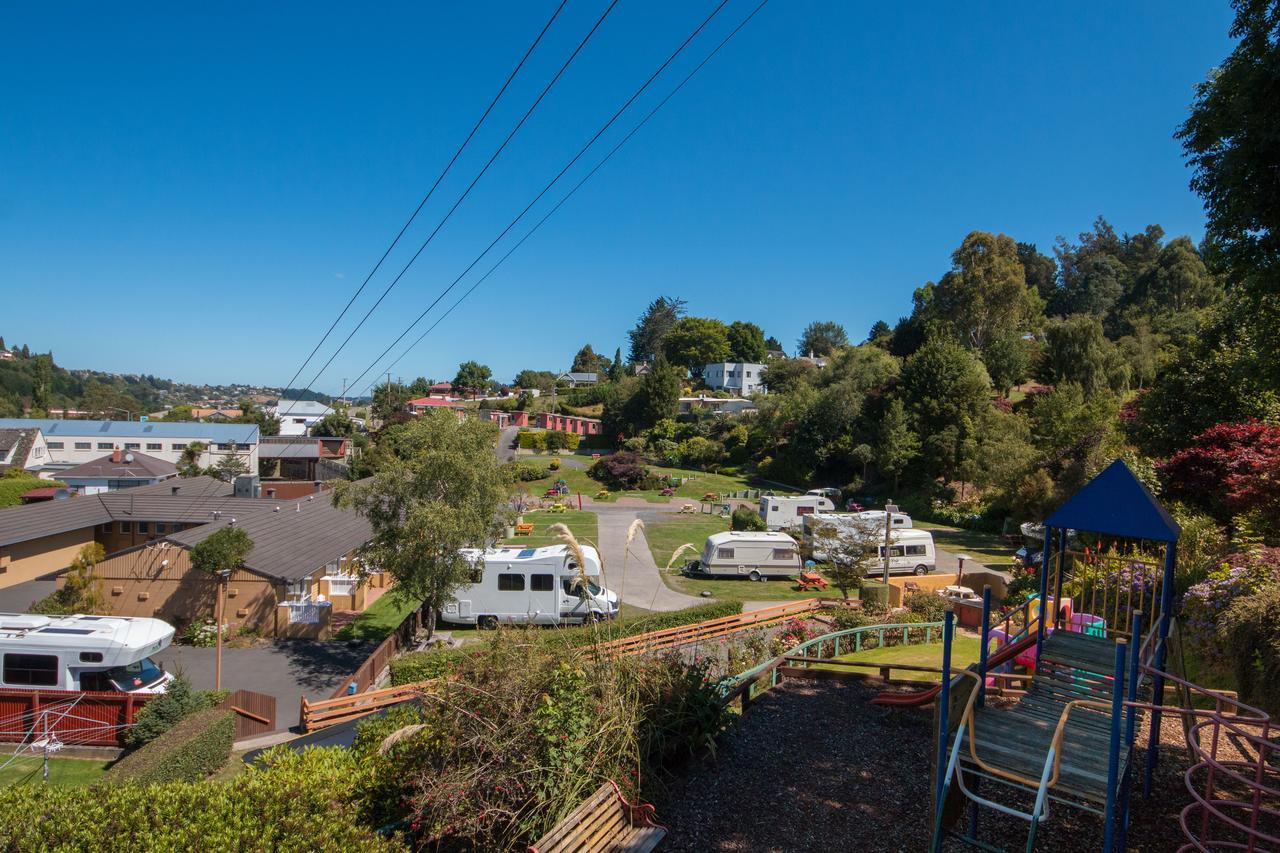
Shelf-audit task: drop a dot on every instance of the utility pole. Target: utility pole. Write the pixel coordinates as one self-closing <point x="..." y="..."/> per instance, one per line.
<point x="217" y="660"/>
<point x="889" y="510"/>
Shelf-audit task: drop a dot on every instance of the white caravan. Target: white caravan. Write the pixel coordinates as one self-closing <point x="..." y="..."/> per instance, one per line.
<point x="539" y="586"/>
<point x="748" y="554"/>
<point x="900" y="520"/>
<point x="102" y="653"/>
<point x="780" y="513"/>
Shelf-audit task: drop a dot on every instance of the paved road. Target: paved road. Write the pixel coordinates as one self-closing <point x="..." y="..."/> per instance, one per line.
<point x="287" y="670"/>
<point x="640" y="582"/>
<point x="506" y="447"/>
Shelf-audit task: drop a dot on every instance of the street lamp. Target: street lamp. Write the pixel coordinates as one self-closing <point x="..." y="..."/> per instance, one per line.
<point x="889" y="510"/>
<point x="960" y="572"/>
<point x="223" y="576"/>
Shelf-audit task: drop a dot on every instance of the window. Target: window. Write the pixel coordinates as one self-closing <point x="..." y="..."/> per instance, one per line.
<point x="91" y="657"/>
<point x="144" y="528"/>
<point x="38" y="452"/>
<point x="805" y="510"/>
<point x="748" y="374"/>
<point x="132" y="445"/>
<point x="915" y="550"/>
<point x="510" y="583"/>
<point x="54" y="445"/>
<point x="126" y="527"/>
<point x="894" y="551"/>
<point x="161" y="527"/>
<point x="178" y="446"/>
<point x="784" y="554"/>
<point x="542" y="583"/>
<point x="299" y="590"/>
<point x="84" y="445"/>
<point x="228" y="446"/>
<point x="35" y="670"/>
<point x="154" y="445"/>
<point x="724" y="553"/>
<point x="106" y="445"/>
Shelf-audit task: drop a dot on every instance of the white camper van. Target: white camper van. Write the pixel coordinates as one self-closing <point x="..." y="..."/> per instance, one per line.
<point x="107" y="653"/>
<point x="909" y="551"/>
<point x="748" y="554"/>
<point x="780" y="513"/>
<point x="540" y="586"/>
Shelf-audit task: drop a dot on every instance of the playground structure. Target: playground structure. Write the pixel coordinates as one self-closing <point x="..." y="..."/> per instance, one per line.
<point x="1097" y="653"/>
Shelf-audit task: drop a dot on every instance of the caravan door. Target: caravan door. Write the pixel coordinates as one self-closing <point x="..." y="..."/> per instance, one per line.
<point x="544" y="597"/>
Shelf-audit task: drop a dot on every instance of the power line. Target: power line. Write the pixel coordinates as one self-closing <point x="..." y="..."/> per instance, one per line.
<point x="550" y="184"/>
<point x="467" y="191"/>
<point x="579" y="184"/>
<point x="430" y="192"/>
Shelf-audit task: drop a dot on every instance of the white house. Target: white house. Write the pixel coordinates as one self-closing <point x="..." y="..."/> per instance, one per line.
<point x="297" y="417"/>
<point x="578" y="380"/>
<point x="73" y="442"/>
<point x="742" y="378"/>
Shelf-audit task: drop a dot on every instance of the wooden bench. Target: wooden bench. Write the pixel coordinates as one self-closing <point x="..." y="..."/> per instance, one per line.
<point x="525" y="529"/>
<point x="604" y="822"/>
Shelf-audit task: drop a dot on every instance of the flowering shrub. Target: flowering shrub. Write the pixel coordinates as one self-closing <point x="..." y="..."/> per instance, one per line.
<point x="203" y="634"/>
<point x="1205" y="602"/>
<point x="793" y="633"/>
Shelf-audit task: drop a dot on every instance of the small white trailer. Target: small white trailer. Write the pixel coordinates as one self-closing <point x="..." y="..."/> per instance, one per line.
<point x="780" y="513"/>
<point x="755" y="555"/>
<point x="538" y="586"/>
<point x="100" y="653"/>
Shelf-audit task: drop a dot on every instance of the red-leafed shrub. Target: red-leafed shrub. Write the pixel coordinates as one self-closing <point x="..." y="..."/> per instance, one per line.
<point x="621" y="470"/>
<point x="1228" y="469"/>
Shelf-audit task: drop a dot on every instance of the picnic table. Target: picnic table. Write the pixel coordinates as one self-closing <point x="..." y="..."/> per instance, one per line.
<point x="688" y="509"/>
<point x="811" y="581"/>
<point x="525" y="529"/>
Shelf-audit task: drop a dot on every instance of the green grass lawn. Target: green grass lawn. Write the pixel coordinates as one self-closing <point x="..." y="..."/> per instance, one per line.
<point x="669" y="534"/>
<point x="699" y="484"/>
<point x="64" y="772"/>
<point x="964" y="651"/>
<point x="987" y="548"/>
<point x="377" y="622"/>
<point x="583" y="523"/>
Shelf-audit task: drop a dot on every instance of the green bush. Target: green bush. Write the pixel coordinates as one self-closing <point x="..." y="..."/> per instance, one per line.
<point x="847" y="618"/>
<point x="426" y="665"/>
<point x="16" y="483"/>
<point x="524" y="473"/>
<point x="280" y="807"/>
<point x="532" y="439"/>
<point x="929" y="606"/>
<point x="746" y="518"/>
<point x="162" y="713"/>
<point x="191" y="750"/>
<point x="1024" y="585"/>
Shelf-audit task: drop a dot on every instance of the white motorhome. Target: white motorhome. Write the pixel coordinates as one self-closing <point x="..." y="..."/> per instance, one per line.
<point x="900" y="520"/>
<point x="783" y="512"/>
<point x="103" y="653"/>
<point x="910" y="551"/>
<point x="748" y="554"/>
<point x="846" y="522"/>
<point x="540" y="586"/>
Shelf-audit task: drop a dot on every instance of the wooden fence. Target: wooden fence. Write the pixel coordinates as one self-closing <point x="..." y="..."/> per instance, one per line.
<point x="368" y="672"/>
<point x="75" y="718"/>
<point x="313" y="716"/>
<point x="683" y="635"/>
<point x="255" y="713"/>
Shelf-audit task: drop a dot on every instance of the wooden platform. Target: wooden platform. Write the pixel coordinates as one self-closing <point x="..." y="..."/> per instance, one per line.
<point x="1017" y="739"/>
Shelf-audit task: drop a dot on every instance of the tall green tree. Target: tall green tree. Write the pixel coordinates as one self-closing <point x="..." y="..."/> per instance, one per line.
<point x="746" y="342"/>
<point x="898" y="446"/>
<point x="472" y="376"/>
<point x="441" y="496"/>
<point x="618" y="369"/>
<point x="420" y="387"/>
<point x="658" y="318"/>
<point x="1077" y="350"/>
<point x="822" y="338"/>
<point x="1040" y="270"/>
<point x="586" y="361"/>
<point x="389" y="400"/>
<point x="945" y="390"/>
<point x="695" y="342"/>
<point x="223" y="550"/>
<point x="658" y="397"/>
<point x="880" y="335"/>
<point x="251" y="413"/>
<point x="1007" y="360"/>
<point x="985" y="294"/>
<point x="189" y="460"/>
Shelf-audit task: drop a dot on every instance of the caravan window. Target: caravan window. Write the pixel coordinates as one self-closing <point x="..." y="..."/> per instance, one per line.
<point x="510" y="583"/>
<point x="724" y="553"/>
<point x="36" y="670"/>
<point x="894" y="551"/>
<point x="805" y="510"/>
<point x="916" y="550"/>
<point x="91" y="657"/>
<point x="784" y="554"/>
<point x="542" y="583"/>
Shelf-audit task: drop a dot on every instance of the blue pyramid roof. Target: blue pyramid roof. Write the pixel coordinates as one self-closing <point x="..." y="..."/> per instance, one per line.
<point x="1116" y="503"/>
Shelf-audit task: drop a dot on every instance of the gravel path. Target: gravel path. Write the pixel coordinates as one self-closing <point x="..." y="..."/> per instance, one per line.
<point x="815" y="766"/>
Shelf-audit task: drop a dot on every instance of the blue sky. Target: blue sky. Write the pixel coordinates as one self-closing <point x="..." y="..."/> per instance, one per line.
<point x="195" y="194"/>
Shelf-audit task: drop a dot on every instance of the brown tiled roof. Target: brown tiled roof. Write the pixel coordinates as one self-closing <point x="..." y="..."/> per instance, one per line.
<point x="139" y="466"/>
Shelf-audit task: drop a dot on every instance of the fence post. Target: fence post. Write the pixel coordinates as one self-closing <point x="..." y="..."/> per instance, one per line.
<point x="1113" y="756"/>
<point x="944" y="707"/>
<point x="128" y="709"/>
<point x="982" y="650"/>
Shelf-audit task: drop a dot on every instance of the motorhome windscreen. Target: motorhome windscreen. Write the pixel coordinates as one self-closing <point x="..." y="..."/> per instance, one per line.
<point x="135" y="676"/>
<point x="573" y="586"/>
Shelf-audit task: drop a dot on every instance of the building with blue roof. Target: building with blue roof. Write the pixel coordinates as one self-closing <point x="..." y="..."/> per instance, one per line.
<point x="74" y="442"/>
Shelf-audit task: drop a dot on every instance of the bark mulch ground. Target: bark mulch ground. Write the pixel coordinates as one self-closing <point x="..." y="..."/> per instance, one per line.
<point x="814" y="766"/>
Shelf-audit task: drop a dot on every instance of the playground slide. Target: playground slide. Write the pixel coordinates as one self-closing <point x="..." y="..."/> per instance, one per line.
<point x="893" y="699"/>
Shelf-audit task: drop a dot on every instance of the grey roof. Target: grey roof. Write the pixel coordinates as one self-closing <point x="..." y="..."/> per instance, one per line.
<point x="580" y="377"/>
<point x="47" y="518"/>
<point x="296" y="450"/>
<point x="10" y="437"/>
<point x="302" y="536"/>
<point x="139" y="467"/>
<point x="217" y="433"/>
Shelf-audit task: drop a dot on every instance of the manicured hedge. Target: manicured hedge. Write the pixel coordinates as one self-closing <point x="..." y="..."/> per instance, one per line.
<point x="302" y="803"/>
<point x="189" y="751"/>
<point x="532" y="439"/>
<point x="424" y="666"/>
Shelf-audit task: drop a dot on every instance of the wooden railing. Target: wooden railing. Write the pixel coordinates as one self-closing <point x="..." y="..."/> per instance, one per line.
<point x="313" y="716"/>
<point x="669" y="638"/>
<point x="367" y="673"/>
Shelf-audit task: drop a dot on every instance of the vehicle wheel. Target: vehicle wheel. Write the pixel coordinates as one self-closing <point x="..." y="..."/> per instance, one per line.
<point x="488" y="623"/>
<point x="755" y="576"/>
<point x="596" y="616"/>
<point x="922" y="570"/>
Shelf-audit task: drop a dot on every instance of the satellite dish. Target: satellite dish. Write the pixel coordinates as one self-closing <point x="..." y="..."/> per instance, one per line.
<point x="128" y="457"/>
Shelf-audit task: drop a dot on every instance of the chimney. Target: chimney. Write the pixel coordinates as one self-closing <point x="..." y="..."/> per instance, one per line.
<point x="173" y="490"/>
<point x="115" y="456"/>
